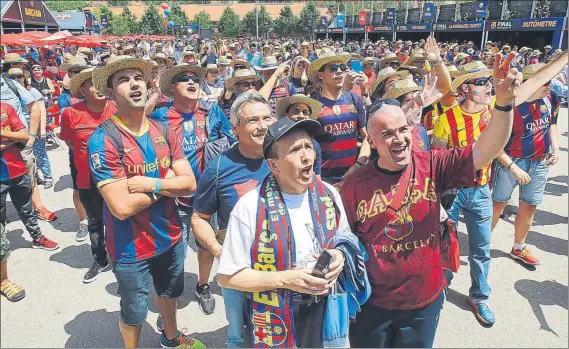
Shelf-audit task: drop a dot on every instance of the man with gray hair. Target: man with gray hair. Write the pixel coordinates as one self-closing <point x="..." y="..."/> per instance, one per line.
<point x="226" y="179"/>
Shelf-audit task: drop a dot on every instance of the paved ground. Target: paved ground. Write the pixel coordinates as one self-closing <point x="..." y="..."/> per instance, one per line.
<point x="61" y="311"/>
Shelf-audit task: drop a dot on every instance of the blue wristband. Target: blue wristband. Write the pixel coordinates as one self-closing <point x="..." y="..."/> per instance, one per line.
<point x="158" y="185"/>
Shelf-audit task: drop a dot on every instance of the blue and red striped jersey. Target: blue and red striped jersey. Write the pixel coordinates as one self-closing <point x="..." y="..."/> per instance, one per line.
<point x="340" y="122"/>
<point x="147" y="153"/>
<point x="193" y="131"/>
<point x="530" y="138"/>
<point x="11" y="163"/>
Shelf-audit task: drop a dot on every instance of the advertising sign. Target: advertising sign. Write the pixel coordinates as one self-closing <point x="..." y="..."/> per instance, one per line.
<point x="362" y="17"/>
<point x="390" y="15"/>
<point x="481" y="10"/>
<point x="458" y="26"/>
<point x="425" y="27"/>
<point x="525" y="24"/>
<point x="104" y="21"/>
<point x="429" y="11"/>
<point x="340" y="20"/>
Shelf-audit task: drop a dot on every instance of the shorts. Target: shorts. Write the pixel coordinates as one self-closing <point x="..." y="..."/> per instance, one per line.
<point x="167" y="271"/>
<point x="30" y="161"/>
<point x="186" y="217"/>
<point x="531" y="193"/>
<point x="4" y="244"/>
<point x="73" y="172"/>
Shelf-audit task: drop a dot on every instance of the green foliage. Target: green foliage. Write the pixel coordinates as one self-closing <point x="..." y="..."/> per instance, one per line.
<point x="202" y="18"/>
<point x="287" y="22"/>
<point x="177" y="15"/>
<point x="118" y="2"/>
<point x="152" y="23"/>
<point x="130" y="18"/>
<point x="265" y="21"/>
<point x="229" y="23"/>
<point x="309" y="17"/>
<point x="104" y="10"/>
<point x="119" y="26"/>
<point x="69" y="5"/>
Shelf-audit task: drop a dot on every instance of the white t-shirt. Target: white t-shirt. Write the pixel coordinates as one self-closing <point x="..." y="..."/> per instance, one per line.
<point x="236" y="252"/>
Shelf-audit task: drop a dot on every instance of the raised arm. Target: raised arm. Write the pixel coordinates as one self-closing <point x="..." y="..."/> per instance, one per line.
<point x="545" y="74"/>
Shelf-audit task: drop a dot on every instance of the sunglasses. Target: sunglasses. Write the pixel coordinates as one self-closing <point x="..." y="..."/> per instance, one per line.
<point x="333" y="68"/>
<point x="246" y="84"/>
<point x="240" y="67"/>
<point x="301" y="65"/>
<point x="213" y="72"/>
<point x="481" y="81"/>
<point x="394" y="64"/>
<point x="186" y="78"/>
<point x="377" y="105"/>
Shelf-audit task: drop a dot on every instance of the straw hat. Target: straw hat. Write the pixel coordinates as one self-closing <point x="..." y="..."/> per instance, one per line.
<point x="401" y="88"/>
<point x="162" y="57"/>
<point x="416" y="56"/>
<point x="461" y="56"/>
<point x="524" y="49"/>
<point x="368" y="60"/>
<point x="14" y="71"/>
<point x="127" y="49"/>
<point x="529" y="70"/>
<point x="223" y="61"/>
<point x="284" y="103"/>
<point x="78" y="79"/>
<point x="75" y="62"/>
<point x="356" y="56"/>
<point x="211" y="67"/>
<point x="189" y="53"/>
<point x="388" y="58"/>
<point x="171" y="73"/>
<point x="535" y="53"/>
<point x="453" y="71"/>
<point x="240" y="75"/>
<point x="101" y="75"/>
<point x="241" y="62"/>
<point x="326" y="58"/>
<point x="386" y="73"/>
<point x="85" y="50"/>
<point x="506" y="47"/>
<point x="469" y="71"/>
<point x="14" y="58"/>
<point x="548" y="46"/>
<point x="268" y="63"/>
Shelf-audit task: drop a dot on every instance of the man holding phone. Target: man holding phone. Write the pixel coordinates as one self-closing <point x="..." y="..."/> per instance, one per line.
<point x="279" y="259"/>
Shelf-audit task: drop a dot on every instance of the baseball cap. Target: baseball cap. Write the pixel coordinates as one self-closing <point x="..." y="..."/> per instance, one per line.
<point x="285" y="125"/>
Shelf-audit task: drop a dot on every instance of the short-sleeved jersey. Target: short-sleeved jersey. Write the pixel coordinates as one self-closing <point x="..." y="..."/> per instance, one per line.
<point x="191" y="129"/>
<point x="147" y="153"/>
<point x="531" y="138"/>
<point x="77" y="125"/>
<point x="431" y="114"/>
<point x="11" y="163"/>
<point x="462" y="129"/>
<point x="283" y="88"/>
<point x="340" y="122"/>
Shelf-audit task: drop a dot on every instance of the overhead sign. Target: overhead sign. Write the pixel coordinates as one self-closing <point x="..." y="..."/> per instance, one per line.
<point x="428" y="11"/>
<point x="458" y="26"/>
<point x="525" y="24"/>
<point x="340" y="18"/>
<point x="383" y="28"/>
<point x="390" y="15"/>
<point x="104" y="21"/>
<point x="63" y="16"/>
<point x="481" y="10"/>
<point x="425" y="27"/>
<point x="354" y="29"/>
<point x="362" y="17"/>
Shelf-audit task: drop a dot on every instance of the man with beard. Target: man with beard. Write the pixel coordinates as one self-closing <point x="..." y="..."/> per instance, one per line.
<point x="196" y="123"/>
<point x="223" y="182"/>
<point x="273" y="84"/>
<point x="78" y="122"/>
<point x="393" y="206"/>
<point x="460" y="127"/>
<point x="269" y="254"/>
<point x="139" y="170"/>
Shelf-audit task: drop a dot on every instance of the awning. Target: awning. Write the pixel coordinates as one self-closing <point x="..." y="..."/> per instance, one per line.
<point x="30" y="12"/>
<point x="70" y="20"/>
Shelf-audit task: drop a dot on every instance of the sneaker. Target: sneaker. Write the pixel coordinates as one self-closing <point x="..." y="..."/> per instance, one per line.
<point x="45" y="243"/>
<point x="45" y="215"/>
<point x="93" y="273"/>
<point x="39" y="181"/>
<point x="523" y="255"/>
<point x="12" y="291"/>
<point x="205" y="299"/>
<point x="82" y="233"/>
<point x="160" y="323"/>
<point x="180" y="341"/>
<point x="47" y="182"/>
<point x="483" y="313"/>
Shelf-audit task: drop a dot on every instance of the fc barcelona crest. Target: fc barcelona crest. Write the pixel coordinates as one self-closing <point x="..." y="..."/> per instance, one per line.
<point x="188" y="126"/>
<point x="352" y="108"/>
<point x="337" y="110"/>
<point x="160" y="141"/>
<point x="268" y="329"/>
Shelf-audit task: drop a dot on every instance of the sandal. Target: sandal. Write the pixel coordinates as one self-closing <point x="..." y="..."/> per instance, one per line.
<point x="12" y="291"/>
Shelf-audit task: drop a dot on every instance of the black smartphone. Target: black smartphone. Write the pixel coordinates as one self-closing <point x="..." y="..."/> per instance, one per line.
<point x="322" y="264"/>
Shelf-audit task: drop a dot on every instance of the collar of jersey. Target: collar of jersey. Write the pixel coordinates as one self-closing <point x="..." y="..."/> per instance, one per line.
<point x="137" y="134"/>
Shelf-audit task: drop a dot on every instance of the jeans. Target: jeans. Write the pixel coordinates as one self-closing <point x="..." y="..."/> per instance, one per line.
<point x="234" y="312"/>
<point x="477" y="207"/>
<point x="93" y="203"/>
<point x="20" y="190"/>
<point x="391" y="328"/>
<point x="531" y="193"/>
<point x="41" y="156"/>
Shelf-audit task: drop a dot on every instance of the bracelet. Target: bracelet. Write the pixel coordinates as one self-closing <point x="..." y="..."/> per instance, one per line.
<point x="158" y="185"/>
<point x="510" y="165"/>
<point x="437" y="62"/>
<point x="358" y="165"/>
<point x="504" y="109"/>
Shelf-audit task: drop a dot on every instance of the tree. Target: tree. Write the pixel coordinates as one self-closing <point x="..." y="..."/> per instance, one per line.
<point x="118" y="2"/>
<point x="202" y="18"/>
<point x="69" y="5"/>
<point x="152" y="22"/>
<point x="309" y="17"/>
<point x="119" y="26"/>
<point x="104" y="10"/>
<point x="178" y="15"/>
<point x="229" y="23"/>
<point x="265" y="21"/>
<point x="132" y="22"/>
<point x="287" y="22"/>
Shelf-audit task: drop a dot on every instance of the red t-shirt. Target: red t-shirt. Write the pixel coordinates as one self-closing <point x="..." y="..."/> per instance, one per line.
<point x="405" y="269"/>
<point x="77" y="125"/>
<point x="11" y="163"/>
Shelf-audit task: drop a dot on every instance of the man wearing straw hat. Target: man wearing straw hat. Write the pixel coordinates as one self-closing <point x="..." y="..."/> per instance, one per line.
<point x="533" y="147"/>
<point x="78" y="122"/>
<point x="453" y="130"/>
<point x="273" y="84"/>
<point x="196" y="122"/>
<point x="211" y="86"/>
<point x="139" y="170"/>
<point x="244" y="80"/>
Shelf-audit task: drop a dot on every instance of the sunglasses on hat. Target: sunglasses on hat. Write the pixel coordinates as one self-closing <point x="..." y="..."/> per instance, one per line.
<point x="481" y="81"/>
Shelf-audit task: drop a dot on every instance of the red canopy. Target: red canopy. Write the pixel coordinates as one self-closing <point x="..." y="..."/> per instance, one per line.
<point x="17" y="40"/>
<point x="36" y="34"/>
<point x="56" y="38"/>
<point x="84" y="41"/>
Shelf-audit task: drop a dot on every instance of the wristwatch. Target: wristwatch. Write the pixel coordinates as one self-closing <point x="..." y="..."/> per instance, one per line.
<point x="437" y="62"/>
<point x="33" y="136"/>
<point x="504" y="109"/>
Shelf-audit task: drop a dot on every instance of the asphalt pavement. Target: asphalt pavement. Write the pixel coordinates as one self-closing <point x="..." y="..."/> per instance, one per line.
<point x="59" y="310"/>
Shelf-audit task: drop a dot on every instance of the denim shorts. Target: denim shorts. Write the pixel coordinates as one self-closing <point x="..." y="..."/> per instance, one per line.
<point x="167" y="271"/>
<point x="531" y="193"/>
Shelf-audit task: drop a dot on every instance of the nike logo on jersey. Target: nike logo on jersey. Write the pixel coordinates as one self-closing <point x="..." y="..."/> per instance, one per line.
<point x="462" y="129"/>
<point x="127" y="150"/>
<point x="525" y="116"/>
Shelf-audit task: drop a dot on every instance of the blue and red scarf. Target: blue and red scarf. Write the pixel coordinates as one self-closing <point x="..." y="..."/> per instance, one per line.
<point x="274" y="250"/>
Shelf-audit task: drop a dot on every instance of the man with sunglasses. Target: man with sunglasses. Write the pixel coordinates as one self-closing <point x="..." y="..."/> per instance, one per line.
<point x="460" y="127"/>
<point x="195" y="122"/>
<point x="212" y="86"/>
<point x="243" y="81"/>
<point x="273" y="84"/>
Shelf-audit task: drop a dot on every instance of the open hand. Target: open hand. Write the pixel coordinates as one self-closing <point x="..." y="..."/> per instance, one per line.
<point x="432" y="49"/>
<point x="507" y="81"/>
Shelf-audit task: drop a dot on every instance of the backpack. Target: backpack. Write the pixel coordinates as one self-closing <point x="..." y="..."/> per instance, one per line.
<point x="215" y="148"/>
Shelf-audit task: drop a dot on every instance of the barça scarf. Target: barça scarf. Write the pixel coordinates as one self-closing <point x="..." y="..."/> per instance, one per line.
<point x="274" y="250"/>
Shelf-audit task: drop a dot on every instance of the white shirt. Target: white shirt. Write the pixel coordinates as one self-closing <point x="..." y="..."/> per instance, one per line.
<point x="236" y="252"/>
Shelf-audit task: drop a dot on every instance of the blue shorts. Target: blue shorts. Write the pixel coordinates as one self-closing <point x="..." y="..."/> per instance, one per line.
<point x="531" y="193"/>
<point x="167" y="271"/>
